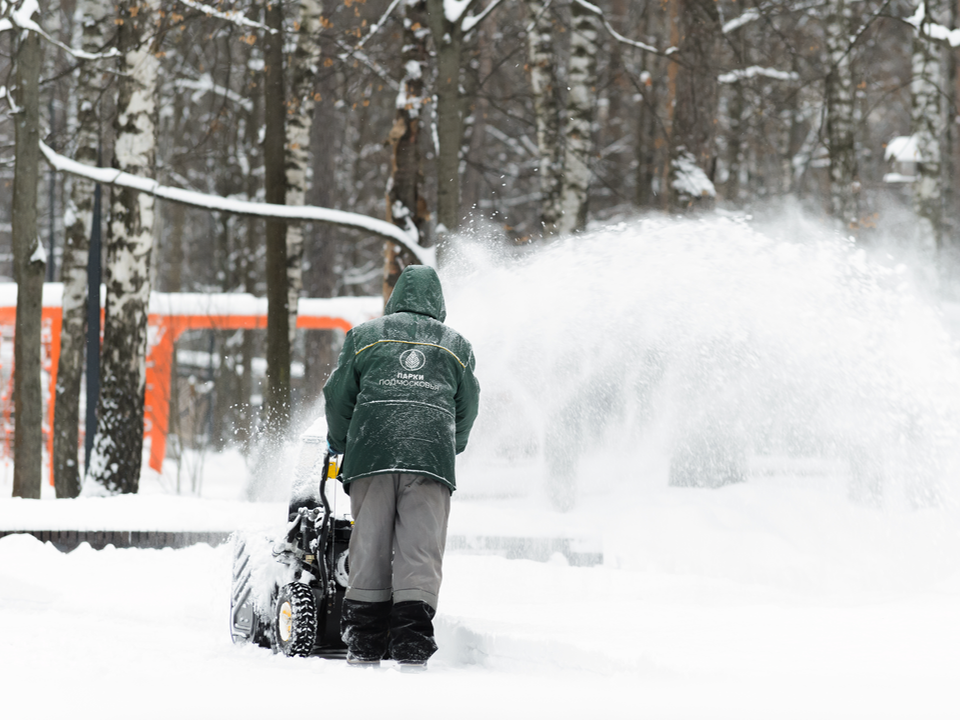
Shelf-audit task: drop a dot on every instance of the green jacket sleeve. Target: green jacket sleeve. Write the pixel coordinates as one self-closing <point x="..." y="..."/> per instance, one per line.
<point x="468" y="403"/>
<point x="340" y="396"/>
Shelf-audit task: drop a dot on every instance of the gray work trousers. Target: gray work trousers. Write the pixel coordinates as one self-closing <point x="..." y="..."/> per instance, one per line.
<point x="399" y="534"/>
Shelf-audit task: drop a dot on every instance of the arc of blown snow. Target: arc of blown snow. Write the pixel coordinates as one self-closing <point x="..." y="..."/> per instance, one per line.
<point x="109" y="176"/>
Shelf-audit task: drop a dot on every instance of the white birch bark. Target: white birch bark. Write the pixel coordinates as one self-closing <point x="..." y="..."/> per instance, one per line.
<point x="84" y="123"/>
<point x="541" y="59"/>
<point x="118" y="446"/>
<point x="928" y="126"/>
<point x="297" y="149"/>
<point x="844" y="186"/>
<point x="581" y="107"/>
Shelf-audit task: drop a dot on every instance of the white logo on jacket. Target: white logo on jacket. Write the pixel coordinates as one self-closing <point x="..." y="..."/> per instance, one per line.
<point x="412" y="360"/>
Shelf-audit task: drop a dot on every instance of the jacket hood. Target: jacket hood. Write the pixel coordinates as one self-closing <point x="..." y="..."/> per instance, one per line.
<point x="418" y="291"/>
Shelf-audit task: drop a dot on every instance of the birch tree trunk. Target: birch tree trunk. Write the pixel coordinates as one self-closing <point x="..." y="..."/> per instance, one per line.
<point x="118" y="446"/>
<point x="541" y="60"/>
<point x="578" y="131"/>
<point x="927" y="119"/>
<point x="89" y="29"/>
<point x="29" y="269"/>
<point x="299" y="123"/>
<point x="277" y="396"/>
<point x="844" y="185"/>
<point x="693" y="132"/>
<point x="405" y="205"/>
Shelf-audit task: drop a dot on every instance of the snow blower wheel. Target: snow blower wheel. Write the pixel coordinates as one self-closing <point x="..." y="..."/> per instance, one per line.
<point x="296" y="620"/>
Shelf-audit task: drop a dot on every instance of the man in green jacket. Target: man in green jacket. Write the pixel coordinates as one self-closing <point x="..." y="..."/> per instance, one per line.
<point x="399" y="407"/>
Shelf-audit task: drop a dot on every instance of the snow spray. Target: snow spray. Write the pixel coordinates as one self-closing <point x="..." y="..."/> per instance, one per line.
<point x="711" y="343"/>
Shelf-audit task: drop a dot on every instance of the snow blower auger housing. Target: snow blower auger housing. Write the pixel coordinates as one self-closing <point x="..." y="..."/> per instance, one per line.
<point x="300" y="613"/>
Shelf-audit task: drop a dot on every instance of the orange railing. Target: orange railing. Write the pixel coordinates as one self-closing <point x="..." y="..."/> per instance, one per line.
<point x="171" y="314"/>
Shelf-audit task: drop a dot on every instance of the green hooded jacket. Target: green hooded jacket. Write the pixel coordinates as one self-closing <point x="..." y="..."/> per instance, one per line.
<point x="403" y="396"/>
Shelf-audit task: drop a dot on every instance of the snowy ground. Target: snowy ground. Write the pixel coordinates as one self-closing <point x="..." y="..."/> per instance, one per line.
<point x="774" y="598"/>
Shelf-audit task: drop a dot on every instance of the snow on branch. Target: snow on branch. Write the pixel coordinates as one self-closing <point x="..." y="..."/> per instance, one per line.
<point x="110" y="176"/>
<point x="931" y="29"/>
<point x="454" y="10"/>
<point x="471" y="22"/>
<point x="689" y="179"/>
<point x="236" y="17"/>
<point x="206" y="84"/>
<point x="753" y="14"/>
<point x="357" y="54"/>
<point x="21" y="18"/>
<point x="744" y="18"/>
<point x="593" y="9"/>
<point x="755" y="71"/>
<point x="378" y="24"/>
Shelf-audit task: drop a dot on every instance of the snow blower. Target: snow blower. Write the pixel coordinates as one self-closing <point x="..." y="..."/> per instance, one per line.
<point x="288" y="595"/>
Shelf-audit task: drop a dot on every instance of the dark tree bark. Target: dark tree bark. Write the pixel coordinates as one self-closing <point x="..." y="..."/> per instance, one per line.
<point x="76" y="247"/>
<point x="844" y="185"/>
<point x="652" y="148"/>
<point x="29" y="269"/>
<point x="448" y="41"/>
<point x="693" y="131"/>
<point x="277" y="396"/>
<point x="405" y="206"/>
<point x="927" y="120"/>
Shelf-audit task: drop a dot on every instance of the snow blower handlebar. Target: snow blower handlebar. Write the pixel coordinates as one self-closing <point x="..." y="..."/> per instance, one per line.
<point x="331" y="468"/>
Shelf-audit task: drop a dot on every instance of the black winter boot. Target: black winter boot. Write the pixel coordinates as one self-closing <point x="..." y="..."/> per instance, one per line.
<point x="364" y="628"/>
<point x="411" y="632"/>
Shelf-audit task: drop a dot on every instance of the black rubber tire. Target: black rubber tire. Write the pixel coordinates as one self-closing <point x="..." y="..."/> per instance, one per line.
<point x="295" y="620"/>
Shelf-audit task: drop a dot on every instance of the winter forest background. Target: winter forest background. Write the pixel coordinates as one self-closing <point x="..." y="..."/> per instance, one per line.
<point x="514" y="119"/>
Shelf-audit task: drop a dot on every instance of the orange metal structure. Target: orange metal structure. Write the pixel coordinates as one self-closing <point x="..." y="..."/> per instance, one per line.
<point x="165" y="326"/>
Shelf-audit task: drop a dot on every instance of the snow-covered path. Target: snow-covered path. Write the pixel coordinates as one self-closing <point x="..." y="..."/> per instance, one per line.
<point x="775" y="598"/>
<point x="710" y="604"/>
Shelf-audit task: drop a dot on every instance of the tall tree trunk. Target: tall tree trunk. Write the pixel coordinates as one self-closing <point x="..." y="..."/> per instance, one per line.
<point x="950" y="135"/>
<point x="618" y="96"/>
<point x="85" y="116"/>
<point x="735" y="146"/>
<point x="253" y="230"/>
<point x="844" y="184"/>
<point x="299" y="123"/>
<point x="927" y="119"/>
<point x="473" y="188"/>
<point x="277" y="396"/>
<point x="29" y="269"/>
<point x="118" y="446"/>
<point x="448" y="41"/>
<point x="693" y="133"/>
<point x="541" y="60"/>
<point x="405" y="205"/>
<point x="651" y="153"/>
<point x="581" y="108"/>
